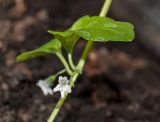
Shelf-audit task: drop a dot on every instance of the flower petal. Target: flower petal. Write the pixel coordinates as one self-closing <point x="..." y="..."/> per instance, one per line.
<point x="67" y="89"/>
<point x="43" y="84"/>
<point x="62" y="80"/>
<point x="47" y="91"/>
<point x="65" y="79"/>
<point x="59" y="87"/>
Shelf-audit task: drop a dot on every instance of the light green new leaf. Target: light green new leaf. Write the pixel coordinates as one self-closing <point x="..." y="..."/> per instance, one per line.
<point x="50" y="47"/>
<point x="95" y="28"/>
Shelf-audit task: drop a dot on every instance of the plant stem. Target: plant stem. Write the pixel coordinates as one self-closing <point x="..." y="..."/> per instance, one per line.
<point x="71" y="61"/>
<point x="84" y="56"/>
<point x="63" y="60"/>
<point x="105" y="8"/>
<point x="57" y="108"/>
<point x="89" y="44"/>
<point x="80" y="65"/>
<point x="60" y="72"/>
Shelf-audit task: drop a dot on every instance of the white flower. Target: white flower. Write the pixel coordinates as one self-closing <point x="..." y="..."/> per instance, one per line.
<point x="43" y="84"/>
<point x="62" y="86"/>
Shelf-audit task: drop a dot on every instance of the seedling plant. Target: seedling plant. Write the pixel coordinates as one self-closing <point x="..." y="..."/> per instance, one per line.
<point x="91" y="29"/>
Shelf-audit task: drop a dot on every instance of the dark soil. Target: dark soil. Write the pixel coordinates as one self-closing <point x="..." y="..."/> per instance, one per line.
<point x="120" y="83"/>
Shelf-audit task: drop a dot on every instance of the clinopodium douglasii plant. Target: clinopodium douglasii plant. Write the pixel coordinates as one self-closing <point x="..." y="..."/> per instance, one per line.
<point x="91" y="29"/>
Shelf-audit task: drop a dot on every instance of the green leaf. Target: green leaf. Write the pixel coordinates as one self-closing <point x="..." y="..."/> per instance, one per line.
<point x="67" y="38"/>
<point x="95" y="28"/>
<point x="50" y="47"/>
<point x="103" y="29"/>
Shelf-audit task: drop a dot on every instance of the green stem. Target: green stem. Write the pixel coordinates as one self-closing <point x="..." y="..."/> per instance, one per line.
<point x="73" y="79"/>
<point x="57" y="108"/>
<point x="89" y="44"/>
<point x="105" y="8"/>
<point x="60" y="72"/>
<point x="71" y="61"/>
<point x="80" y="65"/>
<point x="63" y="60"/>
<point x="84" y="56"/>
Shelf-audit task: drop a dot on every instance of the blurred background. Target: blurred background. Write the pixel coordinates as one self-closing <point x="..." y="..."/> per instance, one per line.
<point x="121" y="81"/>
